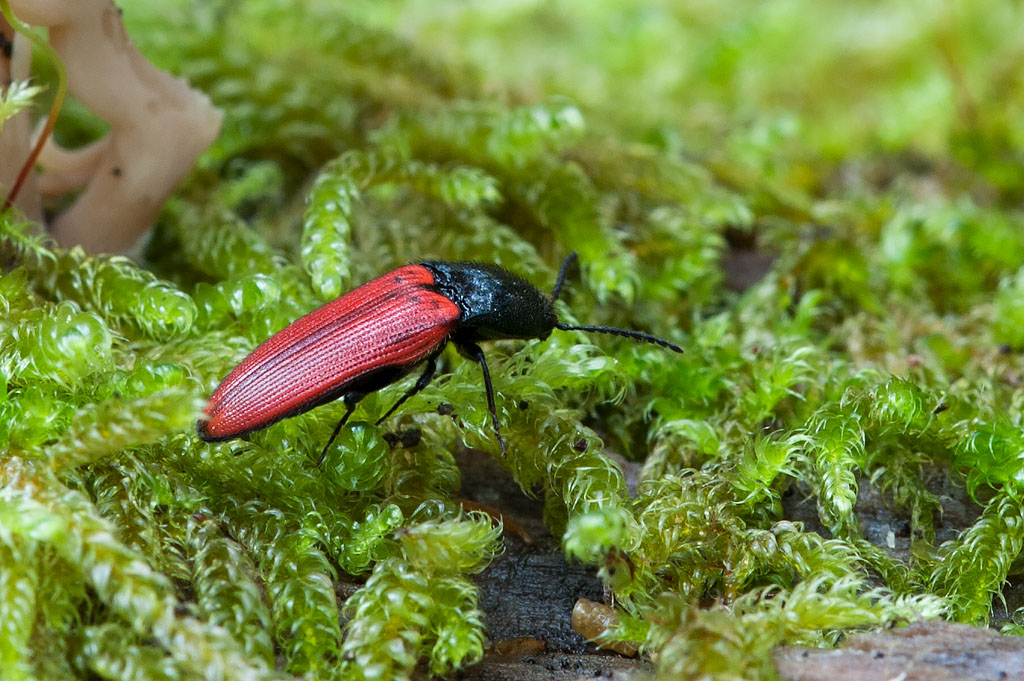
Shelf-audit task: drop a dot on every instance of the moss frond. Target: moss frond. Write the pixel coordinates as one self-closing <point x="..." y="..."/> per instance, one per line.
<point x="760" y="467"/>
<point x="562" y="199"/>
<point x="326" y="229"/>
<point x="1009" y="314"/>
<point x="461" y="546"/>
<point x="15" y="97"/>
<point x="369" y="538"/>
<point x="978" y="246"/>
<point x="358" y="459"/>
<point x="487" y="135"/>
<point x="327" y="222"/>
<point x="35" y="507"/>
<point x="21" y="240"/>
<point x="836" y="441"/>
<point x="733" y="641"/>
<point x="690" y="529"/>
<point x="241" y="297"/>
<point x="18" y="595"/>
<point x="900" y="406"/>
<point x="227" y="593"/>
<point x="148" y="517"/>
<point x="220" y="244"/>
<point x="686" y="255"/>
<point x="970" y="570"/>
<point x="795" y="554"/>
<point x="778" y="378"/>
<point x="298" y="581"/>
<point x="116" y="424"/>
<point x="991" y="453"/>
<point x="111" y="652"/>
<point x="900" y="473"/>
<point x="418" y="604"/>
<point x="60" y="345"/>
<point x="121" y="293"/>
<point x="389" y="608"/>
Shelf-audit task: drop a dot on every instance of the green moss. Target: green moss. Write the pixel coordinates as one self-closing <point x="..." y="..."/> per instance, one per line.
<point x="735" y="642"/>
<point x="19" y="583"/>
<point x="970" y="571"/>
<point x="842" y="265"/>
<point x="420" y="601"/>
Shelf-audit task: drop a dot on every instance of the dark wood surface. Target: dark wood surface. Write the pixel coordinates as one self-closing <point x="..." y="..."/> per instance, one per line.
<point x="528" y="594"/>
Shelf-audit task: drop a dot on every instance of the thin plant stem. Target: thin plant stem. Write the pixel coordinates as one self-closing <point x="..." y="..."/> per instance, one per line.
<point x="58" y="100"/>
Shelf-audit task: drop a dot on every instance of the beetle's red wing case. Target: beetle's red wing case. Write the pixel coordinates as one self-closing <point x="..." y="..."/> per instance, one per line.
<point x="392" y="322"/>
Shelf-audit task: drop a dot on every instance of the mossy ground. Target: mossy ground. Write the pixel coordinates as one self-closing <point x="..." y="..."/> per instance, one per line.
<point x="869" y="154"/>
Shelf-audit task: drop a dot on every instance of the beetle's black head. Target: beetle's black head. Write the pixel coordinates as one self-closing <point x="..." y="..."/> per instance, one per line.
<point x="493" y="302"/>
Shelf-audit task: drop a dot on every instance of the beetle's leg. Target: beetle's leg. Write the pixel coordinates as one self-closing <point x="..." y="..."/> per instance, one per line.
<point x="422" y="382"/>
<point x="473" y="351"/>
<point x="351" y="400"/>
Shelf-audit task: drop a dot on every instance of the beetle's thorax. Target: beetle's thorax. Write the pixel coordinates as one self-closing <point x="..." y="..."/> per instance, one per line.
<point x="493" y="302"/>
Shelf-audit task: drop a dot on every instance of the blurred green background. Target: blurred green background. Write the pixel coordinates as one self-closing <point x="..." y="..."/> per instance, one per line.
<point x="812" y="81"/>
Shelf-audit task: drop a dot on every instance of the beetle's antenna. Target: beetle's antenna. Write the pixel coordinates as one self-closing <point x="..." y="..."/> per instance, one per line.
<point x="636" y="335"/>
<point x="563" y="272"/>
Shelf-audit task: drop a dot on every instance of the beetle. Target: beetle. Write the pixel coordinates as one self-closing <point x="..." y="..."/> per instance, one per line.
<point x="374" y="335"/>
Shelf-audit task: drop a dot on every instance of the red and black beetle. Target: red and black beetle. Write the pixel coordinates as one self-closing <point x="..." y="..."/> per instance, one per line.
<point x="374" y="335"/>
